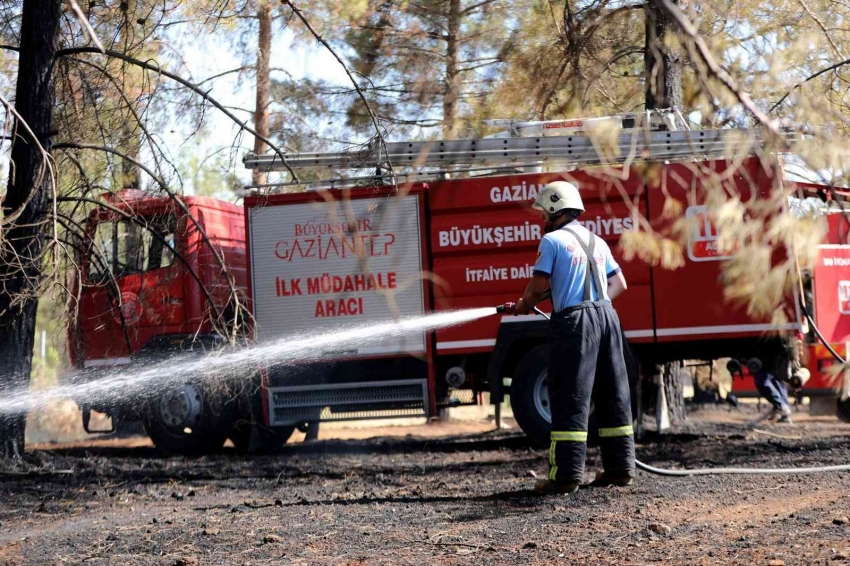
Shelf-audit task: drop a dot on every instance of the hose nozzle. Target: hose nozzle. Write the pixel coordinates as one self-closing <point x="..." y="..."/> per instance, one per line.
<point x="506" y="308"/>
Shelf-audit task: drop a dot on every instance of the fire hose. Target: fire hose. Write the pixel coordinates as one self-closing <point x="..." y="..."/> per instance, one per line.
<point x="820" y="337"/>
<point x="509" y="307"/>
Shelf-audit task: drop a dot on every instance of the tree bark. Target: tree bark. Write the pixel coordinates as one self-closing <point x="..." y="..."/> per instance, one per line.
<point x="131" y="173"/>
<point x="675" y="392"/>
<point x="261" y="112"/>
<point x="452" y="92"/>
<point x="663" y="64"/>
<point x="28" y="191"/>
<point x="663" y="68"/>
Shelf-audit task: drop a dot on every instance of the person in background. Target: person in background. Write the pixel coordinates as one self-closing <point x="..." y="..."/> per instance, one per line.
<point x="774" y="387"/>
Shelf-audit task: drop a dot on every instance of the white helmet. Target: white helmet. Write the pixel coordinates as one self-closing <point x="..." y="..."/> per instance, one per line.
<point x="557" y="196"/>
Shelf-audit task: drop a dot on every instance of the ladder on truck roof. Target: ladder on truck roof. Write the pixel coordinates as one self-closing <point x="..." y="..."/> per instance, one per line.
<point x="665" y="119"/>
<point x="635" y="143"/>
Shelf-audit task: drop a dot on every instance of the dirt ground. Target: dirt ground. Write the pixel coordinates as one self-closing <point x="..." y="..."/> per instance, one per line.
<point x="447" y="493"/>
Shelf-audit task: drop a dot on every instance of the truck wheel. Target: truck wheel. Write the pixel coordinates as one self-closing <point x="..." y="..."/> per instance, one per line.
<point x="530" y="398"/>
<point x="253" y="438"/>
<point x="185" y="419"/>
<point x="843" y="410"/>
<point x="310" y="430"/>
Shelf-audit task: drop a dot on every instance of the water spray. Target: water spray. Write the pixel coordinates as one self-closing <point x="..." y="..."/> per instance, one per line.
<point x="142" y="380"/>
<point x="510" y="307"/>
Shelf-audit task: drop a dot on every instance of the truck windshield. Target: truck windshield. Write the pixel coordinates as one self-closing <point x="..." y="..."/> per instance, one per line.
<point x="123" y="247"/>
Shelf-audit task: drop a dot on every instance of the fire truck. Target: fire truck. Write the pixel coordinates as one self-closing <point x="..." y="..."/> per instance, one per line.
<point x="436" y="226"/>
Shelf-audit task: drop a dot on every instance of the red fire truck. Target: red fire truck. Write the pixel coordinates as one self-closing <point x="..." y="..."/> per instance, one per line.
<point x="336" y="254"/>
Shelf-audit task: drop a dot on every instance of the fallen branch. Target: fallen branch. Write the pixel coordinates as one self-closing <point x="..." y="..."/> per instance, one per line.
<point x="34" y="473"/>
<point x="782" y="436"/>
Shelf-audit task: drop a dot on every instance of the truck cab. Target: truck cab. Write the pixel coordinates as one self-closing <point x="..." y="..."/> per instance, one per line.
<point x="156" y="274"/>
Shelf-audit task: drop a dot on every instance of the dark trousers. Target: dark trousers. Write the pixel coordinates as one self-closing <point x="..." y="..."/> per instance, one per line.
<point x="772" y="389"/>
<point x="586" y="362"/>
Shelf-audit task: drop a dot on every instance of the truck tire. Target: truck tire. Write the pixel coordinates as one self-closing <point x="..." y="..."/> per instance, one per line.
<point x="310" y="430"/>
<point x="187" y="419"/>
<point x="843" y="410"/>
<point x="249" y="434"/>
<point x="254" y="438"/>
<point x="530" y="398"/>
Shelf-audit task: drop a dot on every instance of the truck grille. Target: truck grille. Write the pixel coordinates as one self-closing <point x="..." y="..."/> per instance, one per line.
<point x="348" y="401"/>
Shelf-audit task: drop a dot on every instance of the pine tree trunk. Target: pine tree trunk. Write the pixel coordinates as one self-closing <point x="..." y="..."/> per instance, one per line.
<point x="261" y="112"/>
<point x="29" y="187"/>
<point x="452" y="91"/>
<point x="663" y="65"/>
<point x="131" y="174"/>
<point x="674" y="391"/>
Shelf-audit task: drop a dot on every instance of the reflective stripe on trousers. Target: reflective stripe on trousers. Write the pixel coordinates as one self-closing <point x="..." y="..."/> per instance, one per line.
<point x="626" y="430"/>
<point x="569" y="435"/>
<point x="562" y="436"/>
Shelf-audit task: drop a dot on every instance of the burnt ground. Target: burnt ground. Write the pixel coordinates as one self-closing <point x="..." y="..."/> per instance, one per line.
<point x="459" y="499"/>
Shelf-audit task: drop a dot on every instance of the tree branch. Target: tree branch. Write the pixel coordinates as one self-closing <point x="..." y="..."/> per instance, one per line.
<point x="139" y="222"/>
<point x="599" y="20"/>
<point x="330" y="49"/>
<point x="698" y="43"/>
<point x="190" y="85"/>
<point x="475" y="7"/>
<point x="807" y="79"/>
<point x="821" y="26"/>
<point x="84" y="22"/>
<point x="180" y="204"/>
<point x="156" y="150"/>
<point x="46" y="163"/>
<point x="625" y="52"/>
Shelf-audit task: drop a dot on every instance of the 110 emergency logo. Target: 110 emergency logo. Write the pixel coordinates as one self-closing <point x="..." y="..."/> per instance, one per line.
<point x="844" y="297"/>
<point x="702" y="237"/>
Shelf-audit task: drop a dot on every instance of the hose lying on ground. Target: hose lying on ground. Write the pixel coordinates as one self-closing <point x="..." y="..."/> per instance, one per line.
<point x="719" y="471"/>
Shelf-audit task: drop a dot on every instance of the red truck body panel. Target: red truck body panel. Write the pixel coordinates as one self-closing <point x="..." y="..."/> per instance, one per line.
<point x="485" y="235"/>
<point x="661" y="305"/>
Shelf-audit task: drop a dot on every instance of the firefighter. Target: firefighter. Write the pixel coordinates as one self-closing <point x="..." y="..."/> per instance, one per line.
<point x="585" y="345"/>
